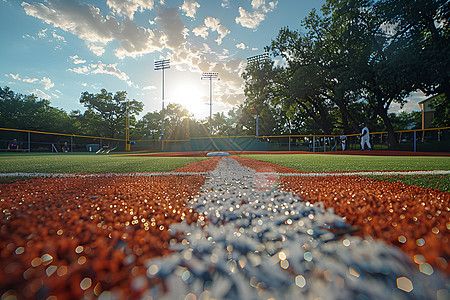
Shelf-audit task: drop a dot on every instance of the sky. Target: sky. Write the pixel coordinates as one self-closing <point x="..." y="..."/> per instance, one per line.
<point x="58" y="49"/>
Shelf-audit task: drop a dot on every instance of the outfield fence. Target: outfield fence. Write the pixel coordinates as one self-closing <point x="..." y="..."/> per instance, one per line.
<point x="427" y="140"/>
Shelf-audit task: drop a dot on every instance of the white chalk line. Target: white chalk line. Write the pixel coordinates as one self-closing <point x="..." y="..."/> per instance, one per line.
<point x="150" y="174"/>
<point x="70" y="175"/>
<point x="366" y="173"/>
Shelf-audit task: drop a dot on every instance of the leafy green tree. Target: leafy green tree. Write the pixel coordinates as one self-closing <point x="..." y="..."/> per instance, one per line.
<point x="175" y="119"/>
<point x="28" y="112"/>
<point x="148" y="127"/>
<point x="106" y="113"/>
<point x="441" y="104"/>
<point x="422" y="27"/>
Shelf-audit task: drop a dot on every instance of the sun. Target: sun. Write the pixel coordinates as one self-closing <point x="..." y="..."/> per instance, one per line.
<point x="192" y="97"/>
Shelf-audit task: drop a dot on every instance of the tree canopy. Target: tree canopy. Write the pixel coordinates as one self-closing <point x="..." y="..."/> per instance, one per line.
<point x="348" y="63"/>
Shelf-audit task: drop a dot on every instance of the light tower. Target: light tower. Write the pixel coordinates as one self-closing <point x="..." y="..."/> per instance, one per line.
<point x="210" y="76"/>
<point x="258" y="60"/>
<point x="162" y="65"/>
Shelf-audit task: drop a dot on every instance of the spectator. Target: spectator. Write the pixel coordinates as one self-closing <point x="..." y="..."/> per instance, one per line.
<point x="13" y="145"/>
<point x="65" y="147"/>
<point x="365" y="137"/>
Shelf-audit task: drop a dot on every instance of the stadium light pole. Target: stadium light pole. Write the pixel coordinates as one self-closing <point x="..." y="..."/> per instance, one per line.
<point x="162" y="65"/>
<point x="127" y="129"/>
<point x="210" y="76"/>
<point x="258" y="60"/>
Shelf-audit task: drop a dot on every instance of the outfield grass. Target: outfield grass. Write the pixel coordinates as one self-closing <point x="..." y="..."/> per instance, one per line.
<point x="439" y="182"/>
<point x="339" y="163"/>
<point x="88" y="163"/>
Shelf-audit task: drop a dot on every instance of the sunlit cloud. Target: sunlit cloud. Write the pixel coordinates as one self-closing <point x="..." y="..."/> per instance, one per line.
<point x="190" y="8"/>
<point x="241" y="46"/>
<point x="40" y="94"/>
<point x="212" y="24"/>
<point x="87" y="22"/>
<point x="76" y="60"/>
<point x="252" y="19"/>
<point x="129" y="7"/>
<point x="101" y="68"/>
<point x="45" y="81"/>
<point x="170" y="22"/>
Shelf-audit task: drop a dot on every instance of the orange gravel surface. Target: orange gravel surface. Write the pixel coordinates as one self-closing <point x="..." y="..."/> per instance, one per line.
<point x="199" y="166"/>
<point x="410" y="217"/>
<point x="78" y="237"/>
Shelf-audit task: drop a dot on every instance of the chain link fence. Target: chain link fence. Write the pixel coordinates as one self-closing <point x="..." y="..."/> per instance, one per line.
<point x="428" y="140"/>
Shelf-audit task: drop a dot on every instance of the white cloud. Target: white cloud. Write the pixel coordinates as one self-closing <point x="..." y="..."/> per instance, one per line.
<point x="172" y="26"/>
<point x="241" y="46"/>
<point x="101" y="68"/>
<point x="129" y="7"/>
<point x="260" y="10"/>
<point x="214" y="25"/>
<point x="77" y="60"/>
<point x="30" y="80"/>
<point x="190" y="7"/>
<point x="225" y="3"/>
<point x="149" y="87"/>
<point x="87" y="22"/>
<point x="51" y="36"/>
<point x="40" y="94"/>
<point x="201" y="30"/>
<point x="45" y="81"/>
<point x="13" y="76"/>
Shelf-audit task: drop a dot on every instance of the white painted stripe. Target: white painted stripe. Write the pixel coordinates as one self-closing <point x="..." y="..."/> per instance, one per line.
<point x="55" y="175"/>
<point x="367" y="173"/>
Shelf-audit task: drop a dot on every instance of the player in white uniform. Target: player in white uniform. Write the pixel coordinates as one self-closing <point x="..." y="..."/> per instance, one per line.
<point x="343" y="140"/>
<point x="365" y="137"/>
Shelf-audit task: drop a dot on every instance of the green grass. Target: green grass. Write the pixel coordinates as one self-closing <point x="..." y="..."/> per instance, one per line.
<point x="337" y="163"/>
<point x="88" y="163"/>
<point x="439" y="182"/>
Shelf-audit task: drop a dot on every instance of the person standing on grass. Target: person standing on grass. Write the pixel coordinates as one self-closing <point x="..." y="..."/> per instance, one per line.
<point x="14" y="145"/>
<point x="343" y="140"/>
<point x="365" y="137"/>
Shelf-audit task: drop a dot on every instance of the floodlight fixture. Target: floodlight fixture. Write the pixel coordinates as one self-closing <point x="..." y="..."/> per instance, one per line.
<point x="258" y="58"/>
<point x="162" y="64"/>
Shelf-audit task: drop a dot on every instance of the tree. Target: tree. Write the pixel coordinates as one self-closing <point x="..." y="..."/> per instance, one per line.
<point x="175" y="119"/>
<point x="28" y="112"/>
<point x="423" y="27"/>
<point x="106" y="113"/>
<point x="441" y="104"/>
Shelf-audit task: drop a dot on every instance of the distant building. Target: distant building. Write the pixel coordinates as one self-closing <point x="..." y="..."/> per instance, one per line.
<point x="427" y="111"/>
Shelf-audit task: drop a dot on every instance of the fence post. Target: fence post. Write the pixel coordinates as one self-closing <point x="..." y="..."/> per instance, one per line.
<point x="314" y="143"/>
<point x="29" y="141"/>
<point x="415" y="141"/>
<point x="289" y="143"/>
<point x="324" y="145"/>
<point x="71" y="143"/>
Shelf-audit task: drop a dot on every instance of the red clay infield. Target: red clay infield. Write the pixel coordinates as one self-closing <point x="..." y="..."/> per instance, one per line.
<point x="77" y="237"/>
<point x="370" y="153"/>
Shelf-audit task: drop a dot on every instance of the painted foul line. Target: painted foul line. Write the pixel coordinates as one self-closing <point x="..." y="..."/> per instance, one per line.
<point x="59" y="175"/>
<point x="361" y="173"/>
<point x="366" y="173"/>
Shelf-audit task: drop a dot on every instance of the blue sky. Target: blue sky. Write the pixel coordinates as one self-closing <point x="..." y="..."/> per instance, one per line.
<point x="58" y="49"/>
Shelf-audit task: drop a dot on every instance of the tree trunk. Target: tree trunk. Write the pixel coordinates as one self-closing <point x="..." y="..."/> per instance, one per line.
<point x="382" y="112"/>
<point x="316" y="119"/>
